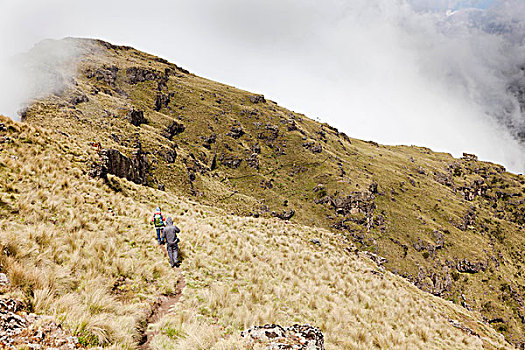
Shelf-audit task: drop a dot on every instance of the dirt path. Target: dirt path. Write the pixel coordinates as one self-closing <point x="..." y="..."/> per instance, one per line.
<point x="160" y="308"/>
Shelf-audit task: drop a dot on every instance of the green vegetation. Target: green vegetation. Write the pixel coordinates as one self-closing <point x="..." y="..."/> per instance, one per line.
<point x="454" y="227"/>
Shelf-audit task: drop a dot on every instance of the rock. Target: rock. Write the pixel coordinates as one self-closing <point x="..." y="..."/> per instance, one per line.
<point x="257" y="99"/>
<point x="77" y="98"/>
<point x="161" y="101"/>
<point x="253" y="161"/>
<point x="138" y="75"/>
<point x="475" y="189"/>
<point x="20" y="330"/>
<point x="113" y="162"/>
<point x="297" y="337"/>
<point x="468" y="220"/>
<point x="173" y="129"/>
<point x="107" y="75"/>
<point x="467" y="266"/>
<point x="316" y="242"/>
<point x="270" y="133"/>
<point x="291" y="125"/>
<point x="313" y="147"/>
<point x="379" y="260"/>
<point x="4" y="281"/>
<point x="236" y="132"/>
<point x="231" y="161"/>
<point x="469" y="157"/>
<point x="285" y="215"/>
<point x="444" y="179"/>
<point x="136" y="117"/>
<point x="208" y="140"/>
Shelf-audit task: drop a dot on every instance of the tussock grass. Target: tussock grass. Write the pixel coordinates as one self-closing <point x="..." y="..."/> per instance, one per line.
<point x="98" y="270"/>
<point x="242" y="272"/>
<point x="63" y="249"/>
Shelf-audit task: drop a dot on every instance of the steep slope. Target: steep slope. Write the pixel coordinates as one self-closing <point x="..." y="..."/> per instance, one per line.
<point x="81" y="249"/>
<point x="454" y="227"/>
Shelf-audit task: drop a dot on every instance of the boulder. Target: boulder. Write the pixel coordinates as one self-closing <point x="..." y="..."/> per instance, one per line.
<point x="173" y="129"/>
<point x="136" y="117"/>
<point x="297" y="337"/>
<point x="285" y="215"/>
<point x="161" y="101"/>
<point x="257" y="99"/>
<point x="236" y="132"/>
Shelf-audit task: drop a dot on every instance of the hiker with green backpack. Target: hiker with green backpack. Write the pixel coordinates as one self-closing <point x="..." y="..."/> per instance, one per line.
<point x="159" y="221"/>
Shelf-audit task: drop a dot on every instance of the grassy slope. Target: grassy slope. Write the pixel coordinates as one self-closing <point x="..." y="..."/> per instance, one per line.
<point x="68" y="255"/>
<point x="412" y="207"/>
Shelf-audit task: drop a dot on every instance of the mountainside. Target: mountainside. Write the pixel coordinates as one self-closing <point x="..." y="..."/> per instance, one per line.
<point x="454" y="227"/>
<point x="82" y="251"/>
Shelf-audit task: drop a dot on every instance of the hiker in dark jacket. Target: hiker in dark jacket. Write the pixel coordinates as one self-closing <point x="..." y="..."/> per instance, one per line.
<point x="172" y="242"/>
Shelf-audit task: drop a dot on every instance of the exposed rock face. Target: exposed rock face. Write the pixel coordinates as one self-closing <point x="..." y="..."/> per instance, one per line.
<point x="138" y="75"/>
<point x="20" y="330"/>
<point x="285" y="215"/>
<point x="136" y="117"/>
<point x="470" y="267"/>
<point x="161" y="101"/>
<point x="313" y="147"/>
<point x="106" y="74"/>
<point x="297" y="337"/>
<point x="257" y="99"/>
<point x="230" y="161"/>
<point x="476" y="188"/>
<point x="173" y="129"/>
<point x="435" y="282"/>
<point x="77" y="98"/>
<point x="113" y="162"/>
<point x="236" y="132"/>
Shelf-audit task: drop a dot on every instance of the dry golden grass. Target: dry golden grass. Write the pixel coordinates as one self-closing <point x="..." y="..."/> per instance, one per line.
<point x="65" y="251"/>
<point x="242" y="272"/>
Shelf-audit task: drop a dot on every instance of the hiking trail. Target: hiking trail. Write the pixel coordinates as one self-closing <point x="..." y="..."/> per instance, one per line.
<point x="160" y="308"/>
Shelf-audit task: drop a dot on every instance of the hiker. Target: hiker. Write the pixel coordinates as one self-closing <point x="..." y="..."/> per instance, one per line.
<point x="159" y="221"/>
<point x="172" y="242"/>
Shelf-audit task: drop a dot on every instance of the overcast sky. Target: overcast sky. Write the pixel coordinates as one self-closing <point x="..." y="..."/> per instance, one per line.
<point x="433" y="73"/>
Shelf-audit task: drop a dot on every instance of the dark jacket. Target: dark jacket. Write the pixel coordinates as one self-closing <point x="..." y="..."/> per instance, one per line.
<point x="170" y="232"/>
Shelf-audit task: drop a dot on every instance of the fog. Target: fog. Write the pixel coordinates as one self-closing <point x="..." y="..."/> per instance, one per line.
<point x="438" y="73"/>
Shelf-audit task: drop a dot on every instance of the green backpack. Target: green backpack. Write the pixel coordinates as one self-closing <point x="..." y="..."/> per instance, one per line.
<point x="157" y="219"/>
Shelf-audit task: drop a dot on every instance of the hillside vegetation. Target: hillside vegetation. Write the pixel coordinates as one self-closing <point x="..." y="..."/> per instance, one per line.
<point x="81" y="249"/>
<point x="454" y="227"/>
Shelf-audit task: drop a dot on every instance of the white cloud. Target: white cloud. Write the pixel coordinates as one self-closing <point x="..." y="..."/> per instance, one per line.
<point x="388" y="70"/>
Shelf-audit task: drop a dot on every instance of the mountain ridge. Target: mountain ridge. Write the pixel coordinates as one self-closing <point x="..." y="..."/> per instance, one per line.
<point x="238" y="151"/>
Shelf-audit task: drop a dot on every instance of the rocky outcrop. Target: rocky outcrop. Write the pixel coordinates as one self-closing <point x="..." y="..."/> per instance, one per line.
<point x="138" y="75"/>
<point x="434" y="281"/>
<point x="467" y="266"/>
<point x="113" y="162"/>
<point x="257" y="99"/>
<point x="231" y="161"/>
<point x="313" y="147"/>
<point x="105" y="74"/>
<point x="29" y="331"/>
<point x="77" y="98"/>
<point x="296" y="337"/>
<point x="136" y="117"/>
<point x="173" y="129"/>
<point x="284" y="215"/>
<point x="236" y="132"/>
<point x="161" y="101"/>
<point x="475" y="189"/>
